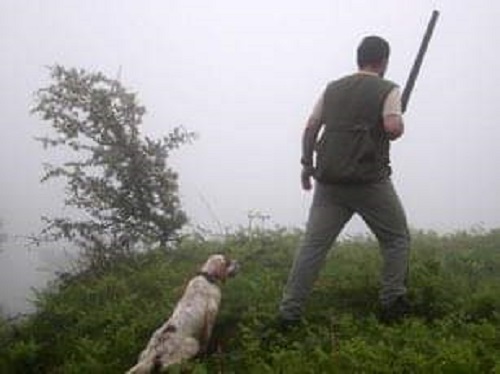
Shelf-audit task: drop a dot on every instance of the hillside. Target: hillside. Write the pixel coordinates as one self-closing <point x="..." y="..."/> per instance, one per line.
<point x="99" y="322"/>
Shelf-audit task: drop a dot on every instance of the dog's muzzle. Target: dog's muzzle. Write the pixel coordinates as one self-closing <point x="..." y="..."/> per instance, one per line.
<point x="233" y="268"/>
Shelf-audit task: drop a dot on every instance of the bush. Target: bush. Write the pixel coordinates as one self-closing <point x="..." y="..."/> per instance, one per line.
<point x="98" y="323"/>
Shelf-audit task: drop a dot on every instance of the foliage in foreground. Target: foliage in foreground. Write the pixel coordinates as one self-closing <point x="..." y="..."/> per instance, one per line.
<point x="91" y="323"/>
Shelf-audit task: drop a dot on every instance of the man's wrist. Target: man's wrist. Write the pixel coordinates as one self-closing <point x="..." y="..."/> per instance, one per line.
<point x="308" y="167"/>
<point x="306" y="162"/>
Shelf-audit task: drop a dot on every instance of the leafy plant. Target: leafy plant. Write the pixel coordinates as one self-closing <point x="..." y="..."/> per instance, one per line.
<point x="118" y="183"/>
<point x="99" y="322"/>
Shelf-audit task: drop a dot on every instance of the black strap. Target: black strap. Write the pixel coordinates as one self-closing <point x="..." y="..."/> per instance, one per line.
<point x="209" y="277"/>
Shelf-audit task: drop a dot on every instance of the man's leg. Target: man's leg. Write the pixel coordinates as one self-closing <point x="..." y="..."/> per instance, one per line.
<point x="326" y="219"/>
<point x="382" y="211"/>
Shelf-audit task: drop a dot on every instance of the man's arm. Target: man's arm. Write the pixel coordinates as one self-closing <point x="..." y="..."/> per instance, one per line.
<point x="393" y="115"/>
<point x="309" y="137"/>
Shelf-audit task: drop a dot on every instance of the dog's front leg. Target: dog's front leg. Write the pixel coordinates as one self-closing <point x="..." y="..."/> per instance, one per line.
<point x="206" y="332"/>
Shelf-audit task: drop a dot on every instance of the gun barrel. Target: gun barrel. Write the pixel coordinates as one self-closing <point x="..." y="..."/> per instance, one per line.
<point x="410" y="83"/>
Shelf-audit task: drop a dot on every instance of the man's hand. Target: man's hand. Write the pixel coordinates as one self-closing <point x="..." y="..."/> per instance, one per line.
<point x="393" y="126"/>
<point x="305" y="177"/>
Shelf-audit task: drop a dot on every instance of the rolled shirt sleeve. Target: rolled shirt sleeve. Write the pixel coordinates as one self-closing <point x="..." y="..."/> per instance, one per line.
<point x="392" y="104"/>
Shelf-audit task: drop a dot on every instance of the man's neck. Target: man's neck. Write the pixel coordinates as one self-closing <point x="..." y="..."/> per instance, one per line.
<point x="369" y="71"/>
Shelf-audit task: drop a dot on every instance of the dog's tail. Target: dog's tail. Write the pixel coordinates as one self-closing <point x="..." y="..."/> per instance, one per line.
<point x="142" y="368"/>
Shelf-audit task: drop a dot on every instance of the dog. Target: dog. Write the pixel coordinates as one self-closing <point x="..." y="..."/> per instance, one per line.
<point x="187" y="332"/>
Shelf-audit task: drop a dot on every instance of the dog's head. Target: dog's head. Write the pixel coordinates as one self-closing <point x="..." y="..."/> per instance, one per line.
<point x="219" y="267"/>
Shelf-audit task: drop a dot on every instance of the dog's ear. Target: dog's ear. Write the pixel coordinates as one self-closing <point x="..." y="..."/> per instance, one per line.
<point x="230" y="268"/>
<point x="222" y="269"/>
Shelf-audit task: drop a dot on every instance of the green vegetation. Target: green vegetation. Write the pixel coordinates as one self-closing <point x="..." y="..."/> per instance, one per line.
<point x="97" y="322"/>
<point x="118" y="181"/>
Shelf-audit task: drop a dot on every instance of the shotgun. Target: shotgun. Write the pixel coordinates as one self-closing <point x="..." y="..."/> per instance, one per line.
<point x="410" y="83"/>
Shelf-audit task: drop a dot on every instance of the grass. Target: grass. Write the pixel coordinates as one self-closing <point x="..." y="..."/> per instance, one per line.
<point x="98" y="323"/>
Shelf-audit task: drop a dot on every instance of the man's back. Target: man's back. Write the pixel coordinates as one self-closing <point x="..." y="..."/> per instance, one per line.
<point x="354" y="148"/>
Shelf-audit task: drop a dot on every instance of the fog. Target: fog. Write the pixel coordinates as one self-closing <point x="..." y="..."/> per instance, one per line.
<point x="244" y="76"/>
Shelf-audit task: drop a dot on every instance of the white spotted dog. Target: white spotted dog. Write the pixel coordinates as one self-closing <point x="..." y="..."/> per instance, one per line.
<point x="187" y="331"/>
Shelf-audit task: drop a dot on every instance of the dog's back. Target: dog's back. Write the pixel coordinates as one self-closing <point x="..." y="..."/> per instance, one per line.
<point x="197" y="308"/>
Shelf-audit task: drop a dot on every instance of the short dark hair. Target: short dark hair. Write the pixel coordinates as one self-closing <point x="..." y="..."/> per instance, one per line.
<point x="372" y="50"/>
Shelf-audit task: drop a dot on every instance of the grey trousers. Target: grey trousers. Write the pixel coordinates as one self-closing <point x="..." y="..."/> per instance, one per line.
<point x="333" y="206"/>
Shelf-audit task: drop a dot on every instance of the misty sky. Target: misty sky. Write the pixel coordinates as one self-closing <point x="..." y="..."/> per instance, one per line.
<point x="244" y="76"/>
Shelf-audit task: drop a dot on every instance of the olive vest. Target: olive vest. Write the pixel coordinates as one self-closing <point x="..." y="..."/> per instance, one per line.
<point x="354" y="147"/>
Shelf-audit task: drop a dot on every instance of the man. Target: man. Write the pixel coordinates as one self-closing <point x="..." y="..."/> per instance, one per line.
<point x="359" y="115"/>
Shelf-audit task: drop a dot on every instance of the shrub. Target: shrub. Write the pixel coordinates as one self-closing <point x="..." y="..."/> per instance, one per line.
<point x="99" y="322"/>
